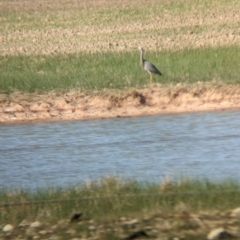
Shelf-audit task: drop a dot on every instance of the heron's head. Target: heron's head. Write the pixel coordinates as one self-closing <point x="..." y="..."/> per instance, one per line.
<point x="140" y="48"/>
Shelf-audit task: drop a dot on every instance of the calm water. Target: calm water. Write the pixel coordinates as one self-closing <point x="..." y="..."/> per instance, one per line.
<point x="201" y="145"/>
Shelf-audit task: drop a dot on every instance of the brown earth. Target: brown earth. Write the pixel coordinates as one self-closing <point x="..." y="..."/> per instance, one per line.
<point x="154" y="99"/>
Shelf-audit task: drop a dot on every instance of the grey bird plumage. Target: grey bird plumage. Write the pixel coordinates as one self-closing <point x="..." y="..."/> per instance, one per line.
<point x="148" y="66"/>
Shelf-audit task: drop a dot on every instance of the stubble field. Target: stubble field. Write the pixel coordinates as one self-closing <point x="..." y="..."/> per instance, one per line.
<point x="50" y="27"/>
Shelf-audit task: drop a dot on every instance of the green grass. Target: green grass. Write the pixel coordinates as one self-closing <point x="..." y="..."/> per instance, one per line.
<point x="114" y="198"/>
<point x="116" y="70"/>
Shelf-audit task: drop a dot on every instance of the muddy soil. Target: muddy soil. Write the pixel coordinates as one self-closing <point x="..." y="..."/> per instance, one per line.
<point x="153" y="99"/>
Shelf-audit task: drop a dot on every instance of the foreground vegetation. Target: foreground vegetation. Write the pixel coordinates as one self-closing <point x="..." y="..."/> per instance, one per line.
<point x="116" y="70"/>
<point x="112" y="197"/>
<point x="113" y="208"/>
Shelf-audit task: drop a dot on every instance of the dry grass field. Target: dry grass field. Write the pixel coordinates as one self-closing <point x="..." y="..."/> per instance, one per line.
<point x="47" y="27"/>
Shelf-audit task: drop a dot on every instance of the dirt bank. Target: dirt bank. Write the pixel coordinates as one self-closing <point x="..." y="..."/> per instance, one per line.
<point x="154" y="99"/>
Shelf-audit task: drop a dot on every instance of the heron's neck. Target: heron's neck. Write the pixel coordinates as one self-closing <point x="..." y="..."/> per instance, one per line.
<point x="141" y="57"/>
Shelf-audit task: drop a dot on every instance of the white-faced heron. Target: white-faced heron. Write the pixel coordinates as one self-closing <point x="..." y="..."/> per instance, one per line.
<point x="148" y="66"/>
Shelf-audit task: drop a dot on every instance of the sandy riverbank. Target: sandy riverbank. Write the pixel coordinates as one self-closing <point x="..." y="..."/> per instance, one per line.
<point x="150" y="100"/>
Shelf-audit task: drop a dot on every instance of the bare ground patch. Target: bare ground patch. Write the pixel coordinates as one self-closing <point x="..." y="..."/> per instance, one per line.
<point x="154" y="99"/>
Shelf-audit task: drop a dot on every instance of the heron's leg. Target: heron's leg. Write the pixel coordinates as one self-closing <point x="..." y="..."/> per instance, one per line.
<point x="151" y="78"/>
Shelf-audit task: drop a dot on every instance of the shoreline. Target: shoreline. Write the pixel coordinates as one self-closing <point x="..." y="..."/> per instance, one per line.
<point x="155" y="99"/>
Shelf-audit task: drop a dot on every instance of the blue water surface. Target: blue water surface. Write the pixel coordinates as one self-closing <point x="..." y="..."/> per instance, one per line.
<point x="196" y="145"/>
